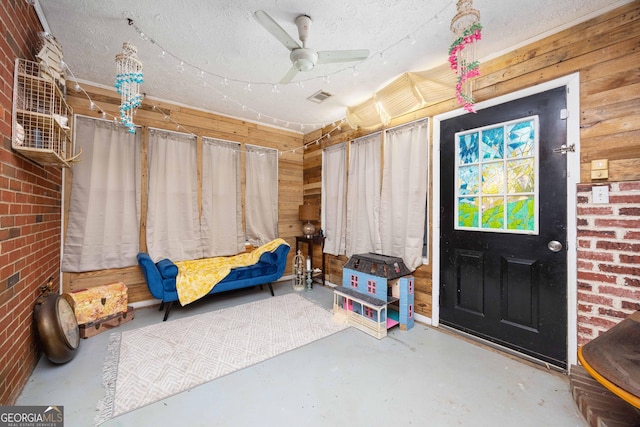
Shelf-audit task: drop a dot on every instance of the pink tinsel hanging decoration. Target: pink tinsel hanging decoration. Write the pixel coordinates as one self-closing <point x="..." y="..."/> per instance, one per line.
<point x="466" y="30"/>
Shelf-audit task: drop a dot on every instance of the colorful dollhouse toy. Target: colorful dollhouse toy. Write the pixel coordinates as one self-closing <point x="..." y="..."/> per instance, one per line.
<point x="377" y="293"/>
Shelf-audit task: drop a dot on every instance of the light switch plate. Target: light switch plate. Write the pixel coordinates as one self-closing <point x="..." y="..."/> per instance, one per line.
<point x="600" y="194"/>
<point x="600" y="164"/>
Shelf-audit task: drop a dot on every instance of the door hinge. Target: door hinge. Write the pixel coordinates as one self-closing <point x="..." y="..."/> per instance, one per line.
<point x="563" y="149"/>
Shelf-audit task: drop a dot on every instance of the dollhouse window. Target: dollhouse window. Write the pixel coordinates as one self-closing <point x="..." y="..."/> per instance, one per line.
<point x="371" y="286"/>
<point x="410" y="307"/>
<point x="354" y="281"/>
<point x="410" y="287"/>
<point x="368" y="312"/>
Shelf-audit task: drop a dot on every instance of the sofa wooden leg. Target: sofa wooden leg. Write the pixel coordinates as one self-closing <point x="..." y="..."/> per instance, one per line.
<point x="271" y="289"/>
<point x="166" y="313"/>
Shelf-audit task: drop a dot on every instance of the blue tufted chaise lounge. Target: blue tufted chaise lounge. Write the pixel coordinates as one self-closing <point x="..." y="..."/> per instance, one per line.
<point x="161" y="276"/>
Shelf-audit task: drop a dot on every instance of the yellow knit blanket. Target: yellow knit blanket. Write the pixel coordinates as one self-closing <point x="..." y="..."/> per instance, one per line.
<point x="197" y="277"/>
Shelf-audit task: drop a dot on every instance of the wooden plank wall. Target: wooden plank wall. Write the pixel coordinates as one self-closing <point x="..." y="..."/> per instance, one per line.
<point x="606" y="52"/>
<point x="152" y="114"/>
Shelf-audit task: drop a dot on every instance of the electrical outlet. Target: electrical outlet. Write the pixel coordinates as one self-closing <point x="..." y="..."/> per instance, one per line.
<point x="600" y="194"/>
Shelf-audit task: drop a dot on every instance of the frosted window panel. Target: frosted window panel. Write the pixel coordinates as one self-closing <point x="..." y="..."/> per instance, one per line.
<point x="493" y="212"/>
<point x="493" y="143"/>
<point x="468" y="180"/>
<point x="493" y="178"/>
<point x="468" y="212"/>
<point x="521" y="139"/>
<point x="521" y="176"/>
<point x="468" y="148"/>
<point x="520" y="213"/>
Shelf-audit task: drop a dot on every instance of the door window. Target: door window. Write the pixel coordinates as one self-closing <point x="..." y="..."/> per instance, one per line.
<point x="496" y="175"/>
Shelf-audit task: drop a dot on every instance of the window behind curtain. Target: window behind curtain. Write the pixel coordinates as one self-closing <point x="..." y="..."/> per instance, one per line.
<point x="173" y="223"/>
<point x="104" y="210"/>
<point x="334" y="201"/>
<point x="221" y="219"/>
<point x="363" y="195"/>
<point x="261" y="195"/>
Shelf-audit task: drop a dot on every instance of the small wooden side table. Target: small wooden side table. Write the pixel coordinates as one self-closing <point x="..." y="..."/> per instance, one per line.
<point x="311" y="241"/>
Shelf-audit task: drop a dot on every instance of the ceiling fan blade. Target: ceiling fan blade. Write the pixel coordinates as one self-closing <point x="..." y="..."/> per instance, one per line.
<point x="290" y="75"/>
<point x="331" y="56"/>
<point x="276" y="30"/>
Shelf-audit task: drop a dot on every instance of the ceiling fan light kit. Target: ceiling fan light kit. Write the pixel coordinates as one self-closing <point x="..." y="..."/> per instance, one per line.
<point x="303" y="59"/>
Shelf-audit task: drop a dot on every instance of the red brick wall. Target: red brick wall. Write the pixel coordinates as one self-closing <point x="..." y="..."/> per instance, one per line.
<point x="30" y="216"/>
<point x="608" y="258"/>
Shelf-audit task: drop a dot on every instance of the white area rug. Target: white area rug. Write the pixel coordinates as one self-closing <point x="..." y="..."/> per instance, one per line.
<point x="154" y="362"/>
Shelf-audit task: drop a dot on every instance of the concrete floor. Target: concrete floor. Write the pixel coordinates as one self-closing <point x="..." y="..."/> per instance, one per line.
<point x="421" y="377"/>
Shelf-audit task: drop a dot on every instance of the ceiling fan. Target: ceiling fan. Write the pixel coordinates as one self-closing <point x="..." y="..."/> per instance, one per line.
<point x="303" y="58"/>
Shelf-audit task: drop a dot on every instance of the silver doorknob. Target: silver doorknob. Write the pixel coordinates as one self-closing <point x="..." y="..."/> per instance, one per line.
<point x="554" y="246"/>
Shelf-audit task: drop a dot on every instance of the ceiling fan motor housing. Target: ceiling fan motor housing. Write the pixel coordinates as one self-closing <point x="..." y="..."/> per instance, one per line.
<point x="304" y="59"/>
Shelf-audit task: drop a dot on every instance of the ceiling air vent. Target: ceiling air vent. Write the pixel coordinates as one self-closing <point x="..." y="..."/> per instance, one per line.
<point x="319" y="96"/>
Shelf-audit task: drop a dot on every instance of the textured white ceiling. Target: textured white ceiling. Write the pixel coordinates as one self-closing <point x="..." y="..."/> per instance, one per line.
<point x="220" y="39"/>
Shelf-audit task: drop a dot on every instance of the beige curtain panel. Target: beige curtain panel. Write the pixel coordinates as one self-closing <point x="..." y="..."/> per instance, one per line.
<point x="334" y="198"/>
<point x="221" y="221"/>
<point x="363" y="195"/>
<point x="173" y="223"/>
<point x="261" y="195"/>
<point x="404" y="192"/>
<point x="104" y="207"/>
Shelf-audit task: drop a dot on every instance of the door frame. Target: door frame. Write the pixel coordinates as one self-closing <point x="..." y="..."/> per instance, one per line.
<point x="572" y="82"/>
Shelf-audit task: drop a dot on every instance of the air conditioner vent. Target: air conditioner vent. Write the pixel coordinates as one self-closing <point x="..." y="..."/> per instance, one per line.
<point x="319" y="96"/>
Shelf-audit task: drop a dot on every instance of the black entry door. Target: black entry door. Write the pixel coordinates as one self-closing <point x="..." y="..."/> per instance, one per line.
<point x="509" y="288"/>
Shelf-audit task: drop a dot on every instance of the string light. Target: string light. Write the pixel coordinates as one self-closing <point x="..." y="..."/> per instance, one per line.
<point x="337" y="125"/>
<point x="167" y="117"/>
<point x="435" y="18"/>
<point x="224" y="80"/>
